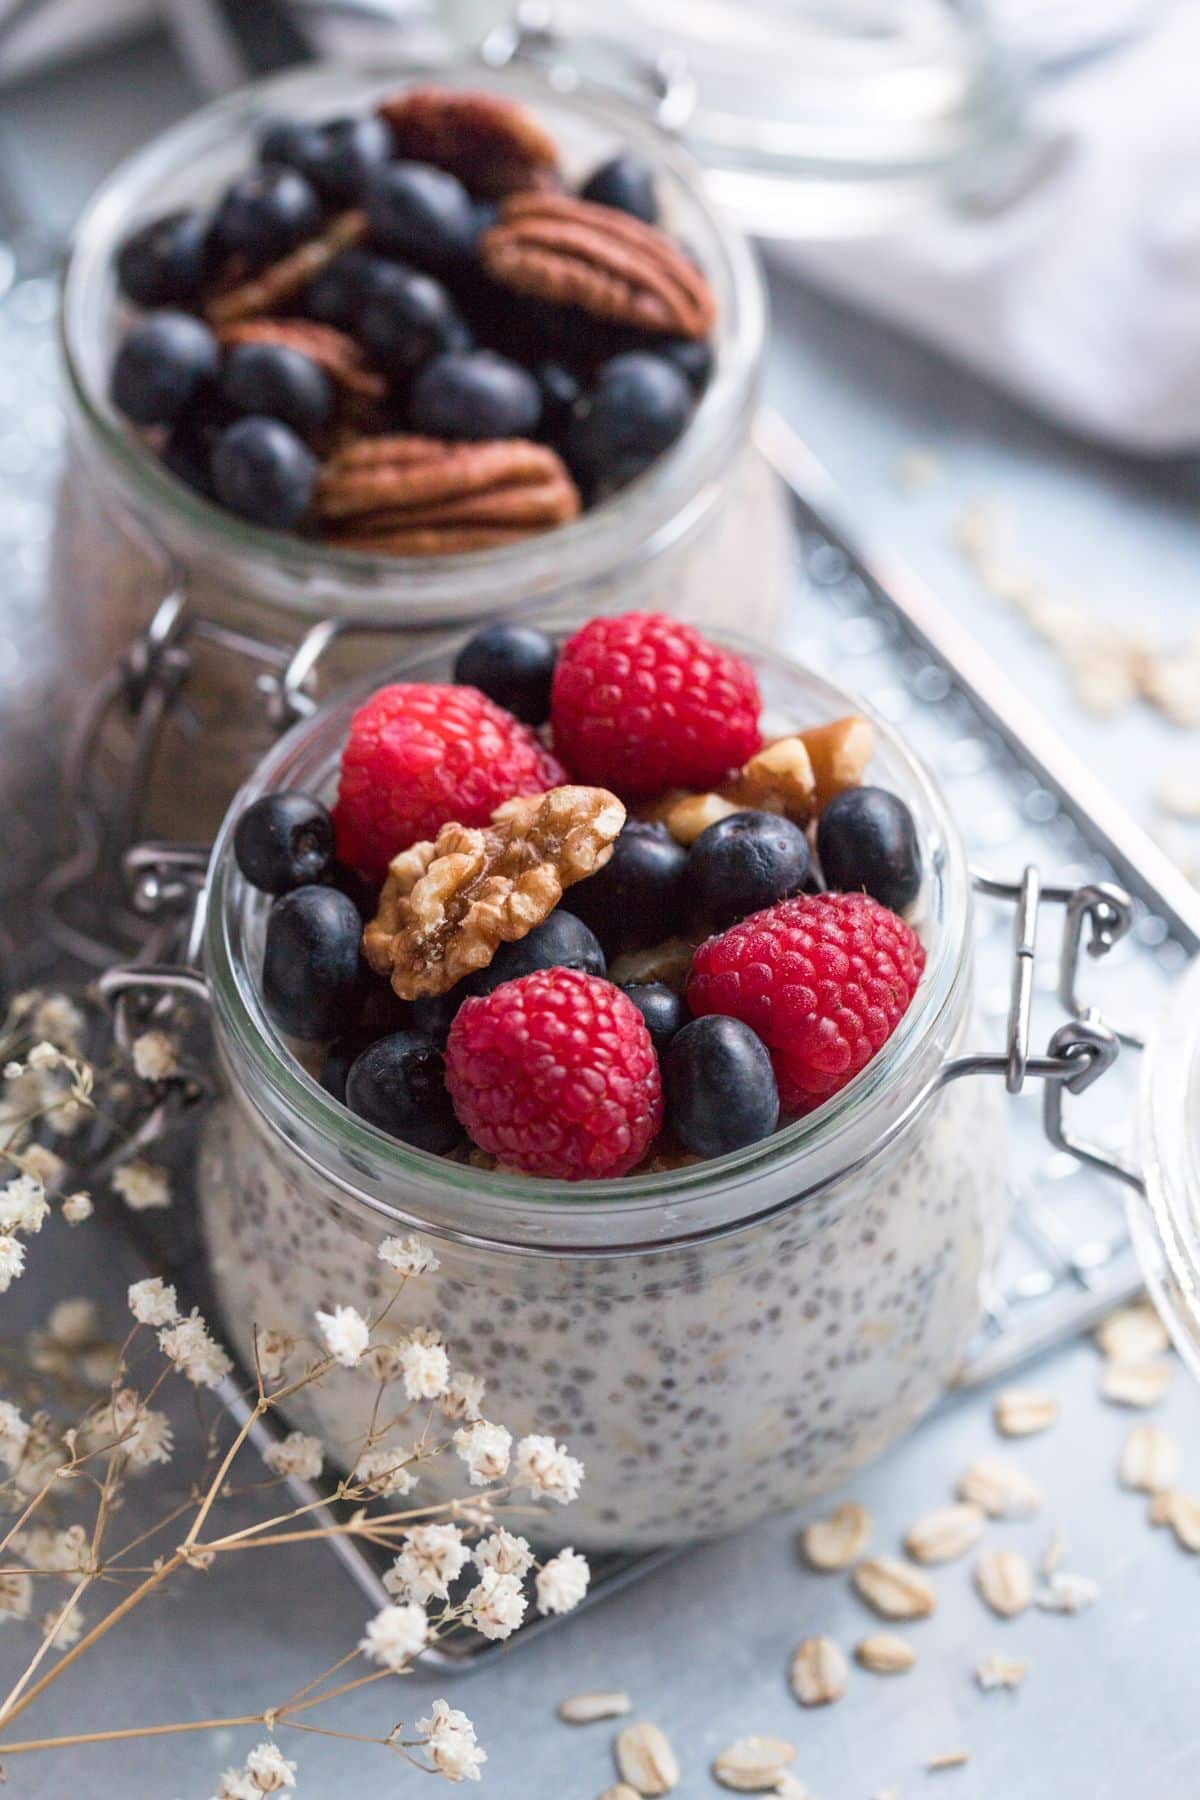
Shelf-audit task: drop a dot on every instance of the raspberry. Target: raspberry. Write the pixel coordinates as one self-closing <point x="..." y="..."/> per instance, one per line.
<point x="642" y="703"/>
<point x="555" y="1074"/>
<point x="420" y="755"/>
<point x="824" y="981"/>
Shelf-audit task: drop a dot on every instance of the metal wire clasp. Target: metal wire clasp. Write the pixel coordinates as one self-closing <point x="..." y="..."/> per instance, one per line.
<point x="1084" y="1046"/>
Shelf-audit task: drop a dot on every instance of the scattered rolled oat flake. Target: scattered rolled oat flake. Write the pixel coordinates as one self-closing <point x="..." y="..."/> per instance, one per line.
<point x="790" y="1787"/>
<point x="1052" y="1555"/>
<point x="645" y="1759"/>
<point x="1004" y="1582"/>
<point x="974" y="531"/>
<point x="949" y="1759"/>
<point x="622" y="1791"/>
<point x="1182" y="1513"/>
<point x="1132" y="1333"/>
<point x="1067" y="1593"/>
<point x="1002" y="1489"/>
<point x="754" y="1765"/>
<point x="1000" y="1672"/>
<point x="1137" y="1383"/>
<point x="883" y="1653"/>
<point x="839" y="1540"/>
<point x="894" y="1588"/>
<point x="917" y="468"/>
<point x="584" y="1709"/>
<point x="945" y="1534"/>
<point x="1019" y="1412"/>
<point x="1150" y="1459"/>
<point x="818" y="1672"/>
<point x="1178" y="793"/>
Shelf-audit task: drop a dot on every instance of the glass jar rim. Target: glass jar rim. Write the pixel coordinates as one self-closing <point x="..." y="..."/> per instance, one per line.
<point x="619" y="1216"/>
<point x="1170" y="1148"/>
<point x="316" y="580"/>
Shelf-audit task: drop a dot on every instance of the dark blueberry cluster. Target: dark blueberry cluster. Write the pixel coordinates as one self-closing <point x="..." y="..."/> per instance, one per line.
<point x="458" y="357"/>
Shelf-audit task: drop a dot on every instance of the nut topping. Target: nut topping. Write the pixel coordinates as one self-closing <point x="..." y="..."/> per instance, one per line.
<point x="493" y="145"/>
<point x="839" y="753"/>
<point x="780" y="779"/>
<point x="609" y="264"/>
<point x="447" y="906"/>
<point x="288" y="277"/>
<point x="422" y="497"/>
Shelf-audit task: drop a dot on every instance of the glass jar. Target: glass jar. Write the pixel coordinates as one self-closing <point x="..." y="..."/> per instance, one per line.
<point x="717" y="1341"/>
<point x="703" y="532"/>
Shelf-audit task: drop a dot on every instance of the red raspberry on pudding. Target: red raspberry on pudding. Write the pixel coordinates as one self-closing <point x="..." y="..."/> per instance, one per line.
<point x="824" y="980"/>
<point x="642" y="703"/>
<point x="423" y="754"/>
<point x="555" y="1075"/>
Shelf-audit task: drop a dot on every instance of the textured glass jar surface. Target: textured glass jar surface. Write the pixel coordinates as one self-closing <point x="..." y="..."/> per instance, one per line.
<point x="717" y="1342"/>
<point x="703" y="533"/>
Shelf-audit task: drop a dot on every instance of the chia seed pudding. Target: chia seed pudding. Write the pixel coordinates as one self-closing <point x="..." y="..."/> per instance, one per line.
<point x="718" y="1335"/>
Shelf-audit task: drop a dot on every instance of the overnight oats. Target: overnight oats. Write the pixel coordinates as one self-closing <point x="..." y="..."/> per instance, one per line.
<point x="622" y="970"/>
<point x="400" y="354"/>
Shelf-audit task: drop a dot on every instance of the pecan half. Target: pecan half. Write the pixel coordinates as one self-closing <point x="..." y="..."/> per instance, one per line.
<point x="332" y="350"/>
<point x="611" y="265"/>
<point x="283" y="280"/>
<point x="493" y="145"/>
<point x="447" y="906"/>
<point x="422" y="497"/>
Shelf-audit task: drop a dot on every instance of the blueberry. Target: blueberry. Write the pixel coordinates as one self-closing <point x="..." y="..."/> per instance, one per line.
<point x="164" y="263"/>
<point x="265" y="214"/>
<point x="867" y="840"/>
<point x="338" y="1061"/>
<point x="560" y="942"/>
<point x="290" y="142"/>
<point x="661" y="1007"/>
<point x="264" y="473"/>
<point x="720" y="1086"/>
<point x="477" y="394"/>
<point x="163" y="363"/>
<point x="743" y="863"/>
<point x="409" y="319"/>
<point x="277" y="382"/>
<point x="357" y="887"/>
<point x="190" y="443"/>
<point x="560" y="394"/>
<point x="636" y="410"/>
<point x="513" y="665"/>
<point x="626" y="183"/>
<point x="340" y="156"/>
<point x="284" y="841"/>
<point x="422" y="214"/>
<point x="433" y="1014"/>
<point x="342" y="289"/>
<point x="692" y="357"/>
<point x="636" y="898"/>
<point x="310" y="978"/>
<point x="399" y="1085"/>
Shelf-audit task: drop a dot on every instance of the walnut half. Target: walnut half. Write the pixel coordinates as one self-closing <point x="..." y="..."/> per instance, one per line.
<point x="447" y="906"/>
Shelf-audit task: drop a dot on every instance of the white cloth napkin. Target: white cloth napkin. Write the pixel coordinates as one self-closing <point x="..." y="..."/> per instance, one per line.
<point x="1082" y="293"/>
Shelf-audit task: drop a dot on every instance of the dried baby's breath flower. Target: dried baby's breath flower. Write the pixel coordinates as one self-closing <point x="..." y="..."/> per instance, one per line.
<point x="59" y="1021"/>
<point x="194" y="1353"/>
<point x="16" y="1593"/>
<point x="23" y="1205"/>
<point x="53" y="1552"/>
<point x="817" y="1674"/>
<point x="77" y="1208"/>
<point x="155" y="1056"/>
<point x="497" y="1605"/>
<point x="63" y="1625"/>
<point x="345" y="1334"/>
<point x="894" y="1588"/>
<point x="273" y="1348"/>
<point x="395" y="1635"/>
<point x="1132" y="1333"/>
<point x="1000" y="1488"/>
<point x="463" y="1397"/>
<point x="883" y="1653"/>
<point x="754" y="1765"/>
<point x="383" y="1361"/>
<point x="42" y="1163"/>
<point x="1150" y="1459"/>
<point x="382" y="1472"/>
<point x="1019" y="1412"/>
<point x="545" y="1468"/>
<point x="74" y="1323"/>
<point x="14" y="1434"/>
<point x="504" y="1552"/>
<point x="269" y="1770"/>
<point x="645" y="1758"/>
<point x="585" y="1709"/>
<point x="12" y="1260"/>
<point x="839" y="1540"/>
<point x="408" y="1256"/>
<point x="562" y="1582"/>
<point x="945" y="1534"/>
<point x="1067" y="1593"/>
<point x="450" y="1741"/>
<point x="1004" y="1582"/>
<point x="1140" y="1384"/>
<point x="143" y="1186"/>
<point x="425" y="1368"/>
<point x="486" y="1449"/>
<point x="145" y="1436"/>
<point x="297" y="1454"/>
<point x="1000" y="1672"/>
<point x="433" y="1556"/>
<point x="153" y="1301"/>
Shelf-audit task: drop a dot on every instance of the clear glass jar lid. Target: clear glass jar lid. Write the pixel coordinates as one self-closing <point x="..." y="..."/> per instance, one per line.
<point x="812" y="116"/>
